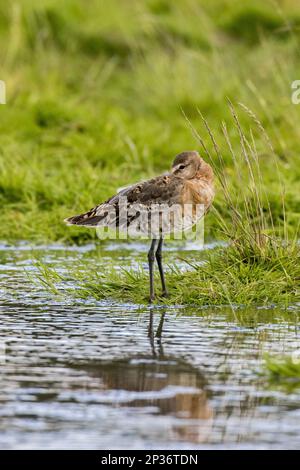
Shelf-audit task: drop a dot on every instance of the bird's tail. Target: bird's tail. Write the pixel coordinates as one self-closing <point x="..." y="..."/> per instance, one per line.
<point x="89" y="219"/>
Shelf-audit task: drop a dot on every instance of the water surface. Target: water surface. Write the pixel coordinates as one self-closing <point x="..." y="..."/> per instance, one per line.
<point x="102" y="375"/>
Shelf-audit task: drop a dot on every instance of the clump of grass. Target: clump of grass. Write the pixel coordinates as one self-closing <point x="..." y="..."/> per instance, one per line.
<point x="251" y="226"/>
<point x="48" y="277"/>
<point x="251" y="24"/>
<point x="225" y="279"/>
<point x="283" y="368"/>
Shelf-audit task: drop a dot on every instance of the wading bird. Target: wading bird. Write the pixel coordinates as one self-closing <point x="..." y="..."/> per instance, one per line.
<point x="189" y="183"/>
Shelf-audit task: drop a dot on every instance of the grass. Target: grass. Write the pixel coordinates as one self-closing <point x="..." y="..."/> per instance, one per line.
<point x="97" y="94"/>
<point x="283" y="370"/>
<point x="225" y="279"/>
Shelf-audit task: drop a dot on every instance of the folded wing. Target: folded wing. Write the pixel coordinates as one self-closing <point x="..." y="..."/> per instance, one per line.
<point x="165" y="189"/>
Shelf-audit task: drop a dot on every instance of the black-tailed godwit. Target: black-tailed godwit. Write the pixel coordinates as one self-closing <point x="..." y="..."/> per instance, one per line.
<point x="190" y="182"/>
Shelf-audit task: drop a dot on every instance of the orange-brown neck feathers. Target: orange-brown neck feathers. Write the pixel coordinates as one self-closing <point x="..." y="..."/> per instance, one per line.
<point x="205" y="172"/>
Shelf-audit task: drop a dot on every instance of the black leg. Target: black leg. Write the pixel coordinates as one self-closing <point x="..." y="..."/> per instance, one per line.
<point x="159" y="330"/>
<point x="151" y="333"/>
<point x="160" y="267"/>
<point x="159" y="335"/>
<point x="151" y="259"/>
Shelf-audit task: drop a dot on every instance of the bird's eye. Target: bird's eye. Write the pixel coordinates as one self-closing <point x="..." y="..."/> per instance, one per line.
<point x="181" y="167"/>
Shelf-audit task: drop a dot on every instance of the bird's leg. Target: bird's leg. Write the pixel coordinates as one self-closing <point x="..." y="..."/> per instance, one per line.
<point x="159" y="330"/>
<point x="158" y="334"/>
<point x="151" y="259"/>
<point x="151" y="333"/>
<point x="158" y="255"/>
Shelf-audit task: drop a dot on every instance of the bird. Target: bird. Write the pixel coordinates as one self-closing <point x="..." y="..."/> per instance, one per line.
<point x="190" y="181"/>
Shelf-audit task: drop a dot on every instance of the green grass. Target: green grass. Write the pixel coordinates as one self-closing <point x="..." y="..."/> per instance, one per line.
<point x="284" y="370"/>
<point x="97" y="92"/>
<point x="224" y="279"/>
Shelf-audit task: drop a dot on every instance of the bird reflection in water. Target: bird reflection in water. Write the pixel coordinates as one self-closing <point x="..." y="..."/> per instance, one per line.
<point x="160" y="384"/>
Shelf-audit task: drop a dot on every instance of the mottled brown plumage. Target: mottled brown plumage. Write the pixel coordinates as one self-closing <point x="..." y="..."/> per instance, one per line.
<point x="190" y="181"/>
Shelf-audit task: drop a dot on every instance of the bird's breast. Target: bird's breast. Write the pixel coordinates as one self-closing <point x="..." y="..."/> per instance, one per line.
<point x="198" y="192"/>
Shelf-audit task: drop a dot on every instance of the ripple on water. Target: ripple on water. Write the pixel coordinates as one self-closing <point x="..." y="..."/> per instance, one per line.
<point x="109" y="375"/>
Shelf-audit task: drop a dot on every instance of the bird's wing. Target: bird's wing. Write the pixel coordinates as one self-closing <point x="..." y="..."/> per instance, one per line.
<point x="164" y="189"/>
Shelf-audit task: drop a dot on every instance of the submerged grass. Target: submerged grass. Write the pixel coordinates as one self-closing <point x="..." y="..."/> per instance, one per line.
<point x="283" y="369"/>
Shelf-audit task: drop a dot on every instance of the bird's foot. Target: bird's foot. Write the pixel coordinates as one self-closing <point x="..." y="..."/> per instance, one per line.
<point x="165" y="293"/>
<point x="151" y="299"/>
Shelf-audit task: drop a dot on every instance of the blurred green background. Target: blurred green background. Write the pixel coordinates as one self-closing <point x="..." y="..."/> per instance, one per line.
<point x="96" y="92"/>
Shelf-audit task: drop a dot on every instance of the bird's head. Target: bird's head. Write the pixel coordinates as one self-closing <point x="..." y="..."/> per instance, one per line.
<point x="190" y="165"/>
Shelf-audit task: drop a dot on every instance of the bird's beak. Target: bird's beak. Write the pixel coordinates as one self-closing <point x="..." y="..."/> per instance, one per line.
<point x="175" y="168"/>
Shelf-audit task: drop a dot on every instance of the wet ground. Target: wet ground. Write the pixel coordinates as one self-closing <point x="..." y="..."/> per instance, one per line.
<point x="102" y="375"/>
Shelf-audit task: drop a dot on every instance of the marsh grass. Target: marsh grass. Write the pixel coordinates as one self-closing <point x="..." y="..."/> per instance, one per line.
<point x="283" y="369"/>
<point x="251" y="226"/>
<point x="47" y="277"/>
<point x="224" y="279"/>
<point x="95" y="93"/>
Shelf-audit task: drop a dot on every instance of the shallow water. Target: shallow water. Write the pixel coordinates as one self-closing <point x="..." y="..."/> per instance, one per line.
<point x="85" y="374"/>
